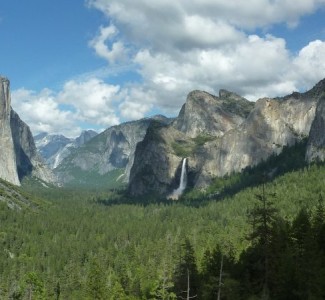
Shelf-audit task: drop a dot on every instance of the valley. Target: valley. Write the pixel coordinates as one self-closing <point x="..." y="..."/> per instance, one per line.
<point x="97" y="222"/>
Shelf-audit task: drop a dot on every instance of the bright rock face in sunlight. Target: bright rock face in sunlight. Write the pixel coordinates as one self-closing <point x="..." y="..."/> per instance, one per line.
<point x="18" y="156"/>
<point x="225" y="134"/>
<point x="8" y="169"/>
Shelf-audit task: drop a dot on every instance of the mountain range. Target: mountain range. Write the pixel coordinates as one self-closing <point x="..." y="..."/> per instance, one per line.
<point x="218" y="135"/>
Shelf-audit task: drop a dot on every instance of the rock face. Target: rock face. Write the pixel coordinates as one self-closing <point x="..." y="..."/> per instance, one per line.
<point x="55" y="147"/>
<point x="224" y="134"/>
<point x="19" y="157"/>
<point x="206" y="114"/>
<point x="110" y="150"/>
<point x="203" y="118"/>
<point x="272" y="125"/>
<point x="28" y="160"/>
<point x="316" y="143"/>
<point x="8" y="167"/>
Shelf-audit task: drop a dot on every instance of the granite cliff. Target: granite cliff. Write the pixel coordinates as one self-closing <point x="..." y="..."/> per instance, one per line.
<point x="8" y="166"/>
<point x="19" y="156"/>
<point x="203" y="118"/>
<point x="225" y="134"/>
<point x="316" y="143"/>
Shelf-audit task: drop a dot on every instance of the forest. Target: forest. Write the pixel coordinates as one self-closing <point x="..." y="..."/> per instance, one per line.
<point x="259" y="234"/>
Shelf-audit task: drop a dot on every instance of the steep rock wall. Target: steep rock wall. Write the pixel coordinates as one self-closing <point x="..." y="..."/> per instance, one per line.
<point x="8" y="168"/>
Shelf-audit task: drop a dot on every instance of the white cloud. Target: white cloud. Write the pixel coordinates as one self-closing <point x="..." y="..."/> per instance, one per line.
<point x="176" y="47"/>
<point x="90" y="102"/>
<point x="117" y="53"/>
<point x="183" y="45"/>
<point x="92" y="99"/>
<point x="42" y="113"/>
<point x="309" y="65"/>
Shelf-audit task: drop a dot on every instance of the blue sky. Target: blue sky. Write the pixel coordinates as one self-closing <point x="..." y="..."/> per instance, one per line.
<point x="79" y="64"/>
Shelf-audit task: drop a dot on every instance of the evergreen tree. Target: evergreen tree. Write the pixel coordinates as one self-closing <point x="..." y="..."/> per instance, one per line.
<point x="96" y="288"/>
<point x="186" y="274"/>
<point x="262" y="218"/>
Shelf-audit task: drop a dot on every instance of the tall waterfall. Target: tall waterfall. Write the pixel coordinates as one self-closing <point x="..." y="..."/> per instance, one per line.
<point x="182" y="183"/>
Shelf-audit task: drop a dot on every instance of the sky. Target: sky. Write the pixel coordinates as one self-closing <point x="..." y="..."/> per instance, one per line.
<point x="92" y="64"/>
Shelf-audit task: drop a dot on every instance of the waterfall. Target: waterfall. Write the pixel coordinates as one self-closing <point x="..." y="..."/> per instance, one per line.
<point x="182" y="183"/>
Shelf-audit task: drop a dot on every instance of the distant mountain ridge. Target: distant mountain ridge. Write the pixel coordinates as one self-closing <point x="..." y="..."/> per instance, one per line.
<point x="55" y="147"/>
<point x="106" y="159"/>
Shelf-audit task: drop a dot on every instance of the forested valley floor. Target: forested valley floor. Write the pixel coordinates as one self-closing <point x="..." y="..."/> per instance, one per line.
<point x="249" y="236"/>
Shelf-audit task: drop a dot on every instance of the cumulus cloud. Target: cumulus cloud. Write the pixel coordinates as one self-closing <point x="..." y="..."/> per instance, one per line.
<point x="87" y="102"/>
<point x="93" y="100"/>
<point x="208" y="44"/>
<point x="176" y="47"/>
<point x="309" y="65"/>
<point x="42" y="113"/>
<point x="116" y="53"/>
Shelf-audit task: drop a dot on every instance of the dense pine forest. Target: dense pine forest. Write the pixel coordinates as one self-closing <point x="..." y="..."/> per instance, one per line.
<point x="255" y="235"/>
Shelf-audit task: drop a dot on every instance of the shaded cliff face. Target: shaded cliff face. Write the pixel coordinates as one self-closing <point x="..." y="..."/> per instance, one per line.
<point x="203" y="118"/>
<point x="225" y="134"/>
<point x="316" y="143"/>
<point x="109" y="151"/>
<point x="8" y="168"/>
<point x="28" y="160"/>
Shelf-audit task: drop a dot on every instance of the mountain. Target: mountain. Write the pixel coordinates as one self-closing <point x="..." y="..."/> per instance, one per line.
<point x="316" y="143"/>
<point x="203" y="118"/>
<point x="55" y="147"/>
<point x="19" y="157"/>
<point x="106" y="159"/>
<point x="8" y="167"/>
<point x="222" y="135"/>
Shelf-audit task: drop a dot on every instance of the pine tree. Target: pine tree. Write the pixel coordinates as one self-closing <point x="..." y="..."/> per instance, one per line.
<point x="186" y="274"/>
<point x="262" y="218"/>
<point x="96" y="289"/>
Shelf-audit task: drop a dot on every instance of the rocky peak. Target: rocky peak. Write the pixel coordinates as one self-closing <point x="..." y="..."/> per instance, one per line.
<point x="240" y="134"/>
<point x="205" y="114"/>
<point x="4" y="98"/>
<point x="85" y="136"/>
<point x="18" y="155"/>
<point x="8" y="168"/>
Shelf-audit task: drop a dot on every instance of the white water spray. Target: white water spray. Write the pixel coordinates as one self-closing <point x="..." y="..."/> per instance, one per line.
<point x="182" y="183"/>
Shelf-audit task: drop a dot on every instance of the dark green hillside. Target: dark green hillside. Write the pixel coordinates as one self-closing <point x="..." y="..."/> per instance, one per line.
<point x="79" y="248"/>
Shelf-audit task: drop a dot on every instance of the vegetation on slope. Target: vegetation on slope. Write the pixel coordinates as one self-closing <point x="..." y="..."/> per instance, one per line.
<point x="79" y="248"/>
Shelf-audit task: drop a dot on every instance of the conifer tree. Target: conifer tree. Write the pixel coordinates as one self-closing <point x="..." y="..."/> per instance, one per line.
<point x="186" y="274"/>
<point x="262" y="218"/>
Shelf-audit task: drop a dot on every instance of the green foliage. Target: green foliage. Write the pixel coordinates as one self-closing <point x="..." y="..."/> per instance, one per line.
<point x="186" y="148"/>
<point x="85" y="244"/>
<point x="183" y="148"/>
